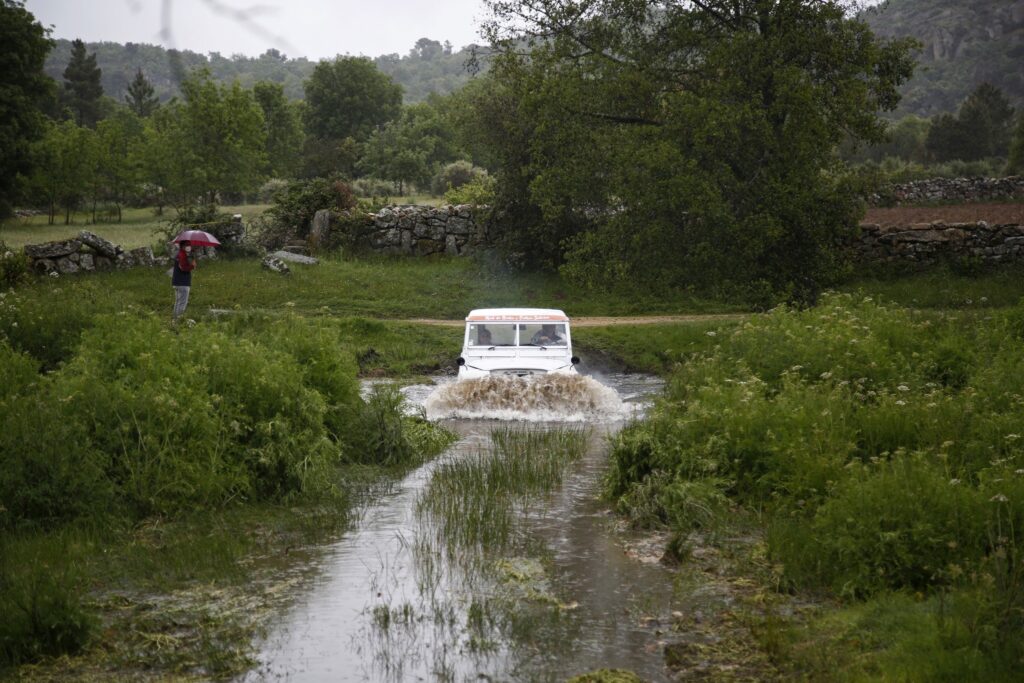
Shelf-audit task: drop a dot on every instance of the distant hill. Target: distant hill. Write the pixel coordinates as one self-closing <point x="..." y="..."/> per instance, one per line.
<point x="966" y="42"/>
<point x="430" y="67"/>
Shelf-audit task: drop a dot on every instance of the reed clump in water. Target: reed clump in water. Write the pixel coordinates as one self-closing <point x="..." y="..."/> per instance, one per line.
<point x="471" y="503"/>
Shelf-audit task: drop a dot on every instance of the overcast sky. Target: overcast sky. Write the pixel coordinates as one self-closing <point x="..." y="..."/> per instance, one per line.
<point x="315" y="29"/>
<point x="312" y="28"/>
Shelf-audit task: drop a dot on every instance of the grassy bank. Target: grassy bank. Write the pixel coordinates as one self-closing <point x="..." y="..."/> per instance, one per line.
<point x="881" y="447"/>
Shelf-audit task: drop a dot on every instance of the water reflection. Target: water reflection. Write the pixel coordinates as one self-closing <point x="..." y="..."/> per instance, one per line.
<point x="398" y="599"/>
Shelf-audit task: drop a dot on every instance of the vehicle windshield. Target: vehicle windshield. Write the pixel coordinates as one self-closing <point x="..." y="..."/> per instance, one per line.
<point x="530" y="334"/>
<point x="492" y="334"/>
<point x="542" y="334"/>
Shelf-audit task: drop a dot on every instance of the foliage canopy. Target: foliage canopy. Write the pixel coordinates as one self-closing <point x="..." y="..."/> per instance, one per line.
<point x="349" y="97"/>
<point x="684" y="143"/>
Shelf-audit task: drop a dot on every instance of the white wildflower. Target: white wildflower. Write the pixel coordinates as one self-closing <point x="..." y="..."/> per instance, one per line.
<point x="998" y="498"/>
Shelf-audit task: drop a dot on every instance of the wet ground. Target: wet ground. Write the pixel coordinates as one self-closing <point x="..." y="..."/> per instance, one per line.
<point x="567" y="589"/>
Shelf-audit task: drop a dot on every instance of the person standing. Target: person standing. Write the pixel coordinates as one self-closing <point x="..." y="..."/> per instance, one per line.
<point x="181" y="278"/>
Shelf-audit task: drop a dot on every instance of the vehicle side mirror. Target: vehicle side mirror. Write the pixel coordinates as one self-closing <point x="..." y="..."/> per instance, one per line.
<point x="574" y="360"/>
<point x="460" y="361"/>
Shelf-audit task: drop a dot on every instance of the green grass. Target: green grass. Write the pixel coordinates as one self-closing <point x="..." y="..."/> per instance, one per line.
<point x="376" y="287"/>
<point x="138" y="227"/>
<point x="647" y="348"/>
<point x="944" y="288"/>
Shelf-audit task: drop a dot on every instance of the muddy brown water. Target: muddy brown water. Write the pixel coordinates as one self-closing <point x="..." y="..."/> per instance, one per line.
<point x="387" y="602"/>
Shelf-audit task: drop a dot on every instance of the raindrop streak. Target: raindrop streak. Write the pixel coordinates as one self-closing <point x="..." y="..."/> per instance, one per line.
<point x="528" y="582"/>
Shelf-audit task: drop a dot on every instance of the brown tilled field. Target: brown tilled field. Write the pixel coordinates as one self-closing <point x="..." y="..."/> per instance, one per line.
<point x="958" y="213"/>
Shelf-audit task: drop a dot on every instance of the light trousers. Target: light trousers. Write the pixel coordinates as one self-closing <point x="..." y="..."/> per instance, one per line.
<point x="180" y="300"/>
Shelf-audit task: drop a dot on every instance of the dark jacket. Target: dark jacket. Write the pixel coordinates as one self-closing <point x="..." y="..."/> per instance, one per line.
<point x="183" y="268"/>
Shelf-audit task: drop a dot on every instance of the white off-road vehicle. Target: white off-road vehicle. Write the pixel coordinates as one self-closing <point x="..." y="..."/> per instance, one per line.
<point x="517" y="342"/>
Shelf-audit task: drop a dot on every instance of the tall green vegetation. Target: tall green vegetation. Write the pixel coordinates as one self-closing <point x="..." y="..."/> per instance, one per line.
<point x="140" y="96"/>
<point x="82" y="88"/>
<point x="883" y="448"/>
<point x="411" y="148"/>
<point x="982" y="128"/>
<point x="685" y="144"/>
<point x="283" y="126"/>
<point x="24" y="85"/>
<point x="349" y="98"/>
<point x="211" y="142"/>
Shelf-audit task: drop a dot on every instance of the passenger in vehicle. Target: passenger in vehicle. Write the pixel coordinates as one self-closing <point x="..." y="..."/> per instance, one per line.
<point x="547" y="334"/>
<point x="483" y="336"/>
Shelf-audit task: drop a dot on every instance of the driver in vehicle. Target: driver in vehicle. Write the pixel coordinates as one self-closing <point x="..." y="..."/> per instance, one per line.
<point x="547" y="334"/>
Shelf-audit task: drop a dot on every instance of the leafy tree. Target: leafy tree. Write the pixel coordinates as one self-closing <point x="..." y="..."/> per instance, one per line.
<point x="684" y="143"/>
<point x="981" y="128"/>
<point x="225" y="127"/>
<point x="117" y="174"/>
<point x="411" y="148"/>
<point x="323" y="158"/>
<point x="349" y="97"/>
<point x="23" y="85"/>
<point x="82" y="88"/>
<point x="140" y="96"/>
<point x="283" y="129"/>
<point x="948" y="139"/>
<point x="64" y="163"/>
<point x="987" y="117"/>
<point x="209" y="143"/>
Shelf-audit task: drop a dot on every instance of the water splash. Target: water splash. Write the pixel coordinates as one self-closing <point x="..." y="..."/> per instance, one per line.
<point x="541" y="398"/>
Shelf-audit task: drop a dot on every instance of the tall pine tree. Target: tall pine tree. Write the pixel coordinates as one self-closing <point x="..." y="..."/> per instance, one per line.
<point x="82" y="86"/>
<point x="140" y="96"/>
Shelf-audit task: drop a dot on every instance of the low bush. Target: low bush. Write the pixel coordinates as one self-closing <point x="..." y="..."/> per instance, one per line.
<point x="477" y="192"/>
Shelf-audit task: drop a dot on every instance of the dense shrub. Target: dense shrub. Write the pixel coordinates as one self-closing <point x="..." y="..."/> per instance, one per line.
<point x="479" y="192"/>
<point x="144" y="421"/>
<point x="454" y="175"/>
<point x="14" y="267"/>
<point x="886" y="446"/>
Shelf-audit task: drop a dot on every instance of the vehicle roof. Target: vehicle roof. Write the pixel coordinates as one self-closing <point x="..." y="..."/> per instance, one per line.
<point x="517" y="315"/>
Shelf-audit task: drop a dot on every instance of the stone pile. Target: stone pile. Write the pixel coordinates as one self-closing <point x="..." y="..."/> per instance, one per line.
<point x="950" y="190"/>
<point x="928" y="243"/>
<point x="87" y="252"/>
<point x="425" y="230"/>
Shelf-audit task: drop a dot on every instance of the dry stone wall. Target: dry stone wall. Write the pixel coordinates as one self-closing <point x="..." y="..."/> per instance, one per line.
<point x="87" y="252"/>
<point x="927" y="243"/>
<point x="950" y="190"/>
<point x="425" y="230"/>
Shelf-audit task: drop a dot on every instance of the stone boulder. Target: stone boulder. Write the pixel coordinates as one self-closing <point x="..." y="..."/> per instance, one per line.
<point x="294" y="258"/>
<point x="99" y="245"/>
<point x="320" y="228"/>
<point x="53" y="250"/>
<point x="276" y="265"/>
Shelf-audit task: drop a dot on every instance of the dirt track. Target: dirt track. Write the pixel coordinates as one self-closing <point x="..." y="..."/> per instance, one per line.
<point x="613" y="320"/>
<point x="1002" y="213"/>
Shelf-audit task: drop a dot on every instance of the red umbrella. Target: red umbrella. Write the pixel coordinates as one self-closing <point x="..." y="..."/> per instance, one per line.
<point x="199" y="238"/>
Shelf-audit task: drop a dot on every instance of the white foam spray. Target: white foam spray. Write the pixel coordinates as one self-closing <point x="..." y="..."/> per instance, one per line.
<point x="553" y="397"/>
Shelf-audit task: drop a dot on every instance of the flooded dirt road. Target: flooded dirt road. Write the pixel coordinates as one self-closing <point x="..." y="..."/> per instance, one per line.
<point x="496" y="561"/>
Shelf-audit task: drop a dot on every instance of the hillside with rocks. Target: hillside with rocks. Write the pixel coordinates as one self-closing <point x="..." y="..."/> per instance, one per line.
<point x="963" y="45"/>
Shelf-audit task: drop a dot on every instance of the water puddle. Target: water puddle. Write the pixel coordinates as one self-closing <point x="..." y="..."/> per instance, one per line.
<point x="495" y="561"/>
